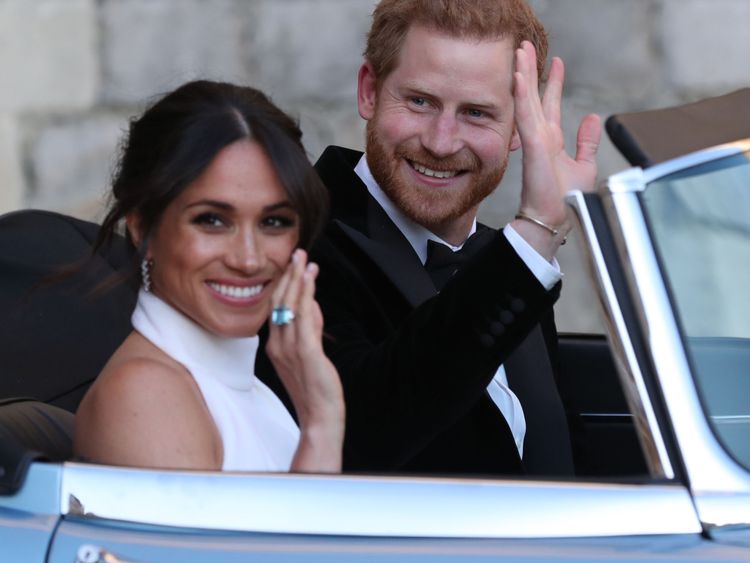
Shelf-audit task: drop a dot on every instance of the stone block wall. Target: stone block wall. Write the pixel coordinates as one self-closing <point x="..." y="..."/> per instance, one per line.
<point x="74" y="71"/>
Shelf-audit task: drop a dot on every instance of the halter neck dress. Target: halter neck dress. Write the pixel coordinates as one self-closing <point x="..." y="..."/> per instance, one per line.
<point x="257" y="431"/>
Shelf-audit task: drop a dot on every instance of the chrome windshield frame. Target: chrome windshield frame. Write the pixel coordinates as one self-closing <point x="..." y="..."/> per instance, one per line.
<point x="720" y="486"/>
<point x="623" y="350"/>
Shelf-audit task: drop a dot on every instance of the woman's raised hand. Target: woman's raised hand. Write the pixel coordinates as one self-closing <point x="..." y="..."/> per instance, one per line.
<point x="295" y="347"/>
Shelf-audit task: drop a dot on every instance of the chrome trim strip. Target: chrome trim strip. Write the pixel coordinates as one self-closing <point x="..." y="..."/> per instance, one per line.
<point x="606" y="415"/>
<point x="711" y="472"/>
<point x="639" y="402"/>
<point x="731" y="419"/>
<point x="695" y="159"/>
<point x="630" y="181"/>
<point x="373" y="506"/>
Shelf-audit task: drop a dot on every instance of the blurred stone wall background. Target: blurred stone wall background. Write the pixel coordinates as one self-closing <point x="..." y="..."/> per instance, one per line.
<point x="73" y="71"/>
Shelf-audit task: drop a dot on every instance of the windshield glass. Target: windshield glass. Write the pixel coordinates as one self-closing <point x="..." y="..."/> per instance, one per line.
<point x="700" y="223"/>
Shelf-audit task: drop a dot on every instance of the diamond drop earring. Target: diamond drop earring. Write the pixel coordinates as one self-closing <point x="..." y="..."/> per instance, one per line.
<point x="146" y="265"/>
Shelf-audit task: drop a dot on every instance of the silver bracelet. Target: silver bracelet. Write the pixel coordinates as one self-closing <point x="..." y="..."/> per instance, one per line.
<point x="553" y="230"/>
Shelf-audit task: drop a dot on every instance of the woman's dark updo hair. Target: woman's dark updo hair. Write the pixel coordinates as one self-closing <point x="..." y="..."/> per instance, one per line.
<point x="176" y="139"/>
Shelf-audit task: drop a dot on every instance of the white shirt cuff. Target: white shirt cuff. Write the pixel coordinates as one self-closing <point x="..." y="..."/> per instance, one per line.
<point x="547" y="273"/>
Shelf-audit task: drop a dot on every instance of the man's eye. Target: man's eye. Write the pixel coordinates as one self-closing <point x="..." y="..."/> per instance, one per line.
<point x="475" y="113"/>
<point x="417" y="101"/>
<point x="210" y="220"/>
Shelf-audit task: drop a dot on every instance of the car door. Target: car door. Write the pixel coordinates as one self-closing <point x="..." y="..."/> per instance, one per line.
<point x="682" y="232"/>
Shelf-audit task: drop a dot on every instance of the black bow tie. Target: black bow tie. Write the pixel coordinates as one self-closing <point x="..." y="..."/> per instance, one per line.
<point x="442" y="262"/>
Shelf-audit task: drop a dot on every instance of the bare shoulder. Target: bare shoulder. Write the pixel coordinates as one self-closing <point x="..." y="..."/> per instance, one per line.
<point x="146" y="410"/>
<point x="137" y="376"/>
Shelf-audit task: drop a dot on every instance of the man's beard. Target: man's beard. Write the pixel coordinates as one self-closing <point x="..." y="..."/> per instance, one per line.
<point x="430" y="207"/>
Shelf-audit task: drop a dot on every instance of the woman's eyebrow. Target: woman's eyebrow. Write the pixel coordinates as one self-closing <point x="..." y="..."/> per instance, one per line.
<point x="281" y="205"/>
<point x="224" y="206"/>
<point x="211" y="203"/>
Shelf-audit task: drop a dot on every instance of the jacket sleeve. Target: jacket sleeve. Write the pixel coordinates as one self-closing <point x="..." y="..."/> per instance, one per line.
<point x="408" y="379"/>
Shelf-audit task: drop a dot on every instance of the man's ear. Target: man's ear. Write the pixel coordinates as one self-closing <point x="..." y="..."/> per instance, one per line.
<point x="133" y="224"/>
<point x="367" y="91"/>
<point x="515" y="140"/>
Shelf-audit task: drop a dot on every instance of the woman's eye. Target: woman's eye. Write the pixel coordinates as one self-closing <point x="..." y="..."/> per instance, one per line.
<point x="278" y="222"/>
<point x="209" y="220"/>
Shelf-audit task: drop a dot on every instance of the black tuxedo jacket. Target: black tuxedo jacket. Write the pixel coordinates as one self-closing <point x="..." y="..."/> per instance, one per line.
<point x="415" y="364"/>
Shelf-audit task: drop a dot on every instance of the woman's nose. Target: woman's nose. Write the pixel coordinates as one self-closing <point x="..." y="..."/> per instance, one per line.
<point x="246" y="253"/>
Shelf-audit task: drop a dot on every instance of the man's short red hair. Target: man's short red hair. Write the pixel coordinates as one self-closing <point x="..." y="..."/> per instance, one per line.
<point x="471" y="19"/>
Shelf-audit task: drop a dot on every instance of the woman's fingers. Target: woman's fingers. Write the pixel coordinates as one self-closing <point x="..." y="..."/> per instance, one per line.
<point x="281" y="288"/>
<point x="292" y="294"/>
<point x="308" y="327"/>
<point x="281" y="336"/>
<point x="301" y="337"/>
<point x="308" y="375"/>
<point x="286" y="294"/>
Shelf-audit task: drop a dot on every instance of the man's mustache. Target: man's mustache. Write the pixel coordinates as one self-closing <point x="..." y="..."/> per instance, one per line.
<point x="464" y="161"/>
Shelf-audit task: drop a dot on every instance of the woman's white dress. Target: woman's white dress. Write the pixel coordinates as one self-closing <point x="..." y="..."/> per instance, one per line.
<point x="257" y="431"/>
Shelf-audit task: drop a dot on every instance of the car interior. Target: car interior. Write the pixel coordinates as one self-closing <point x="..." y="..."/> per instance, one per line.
<point x="53" y="305"/>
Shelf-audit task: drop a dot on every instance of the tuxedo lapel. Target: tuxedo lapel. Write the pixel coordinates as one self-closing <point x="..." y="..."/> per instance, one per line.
<point x="389" y="249"/>
<point x="361" y="219"/>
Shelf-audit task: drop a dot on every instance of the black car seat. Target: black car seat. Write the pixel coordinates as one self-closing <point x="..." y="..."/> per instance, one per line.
<point x="31" y="430"/>
<point x="56" y="333"/>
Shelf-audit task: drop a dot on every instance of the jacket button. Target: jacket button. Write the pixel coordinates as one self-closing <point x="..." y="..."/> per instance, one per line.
<point x="506" y="317"/>
<point x="497" y="329"/>
<point x="517" y="305"/>
<point x="486" y="340"/>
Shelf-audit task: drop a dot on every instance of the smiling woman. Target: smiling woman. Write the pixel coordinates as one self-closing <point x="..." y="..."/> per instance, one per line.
<point x="217" y="193"/>
<point x="223" y="243"/>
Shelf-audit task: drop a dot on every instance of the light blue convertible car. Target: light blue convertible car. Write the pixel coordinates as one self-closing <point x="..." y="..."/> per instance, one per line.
<point x="664" y="470"/>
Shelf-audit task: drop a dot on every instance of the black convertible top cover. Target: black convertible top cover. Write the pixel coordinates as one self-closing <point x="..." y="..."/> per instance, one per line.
<point x="649" y="137"/>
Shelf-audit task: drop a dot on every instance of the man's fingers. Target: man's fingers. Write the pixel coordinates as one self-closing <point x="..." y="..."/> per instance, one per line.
<point x="528" y="106"/>
<point x="589" y="135"/>
<point x="528" y="64"/>
<point x="552" y="99"/>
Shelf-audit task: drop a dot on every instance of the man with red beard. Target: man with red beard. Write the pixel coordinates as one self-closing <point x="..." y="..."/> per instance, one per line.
<point x="442" y="328"/>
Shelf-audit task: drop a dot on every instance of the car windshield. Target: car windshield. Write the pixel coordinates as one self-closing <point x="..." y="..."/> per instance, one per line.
<point x="700" y="223"/>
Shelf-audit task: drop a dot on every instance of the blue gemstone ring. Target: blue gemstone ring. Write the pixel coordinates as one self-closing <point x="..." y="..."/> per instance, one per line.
<point x="281" y="315"/>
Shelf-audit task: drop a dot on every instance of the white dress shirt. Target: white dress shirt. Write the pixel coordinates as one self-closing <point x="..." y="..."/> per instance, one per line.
<point x="547" y="273"/>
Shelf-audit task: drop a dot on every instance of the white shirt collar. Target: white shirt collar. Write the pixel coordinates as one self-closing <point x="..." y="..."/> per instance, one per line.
<point x="416" y="234"/>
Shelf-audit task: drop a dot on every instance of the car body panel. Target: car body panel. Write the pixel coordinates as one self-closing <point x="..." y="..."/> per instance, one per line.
<point x="146" y="546"/>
